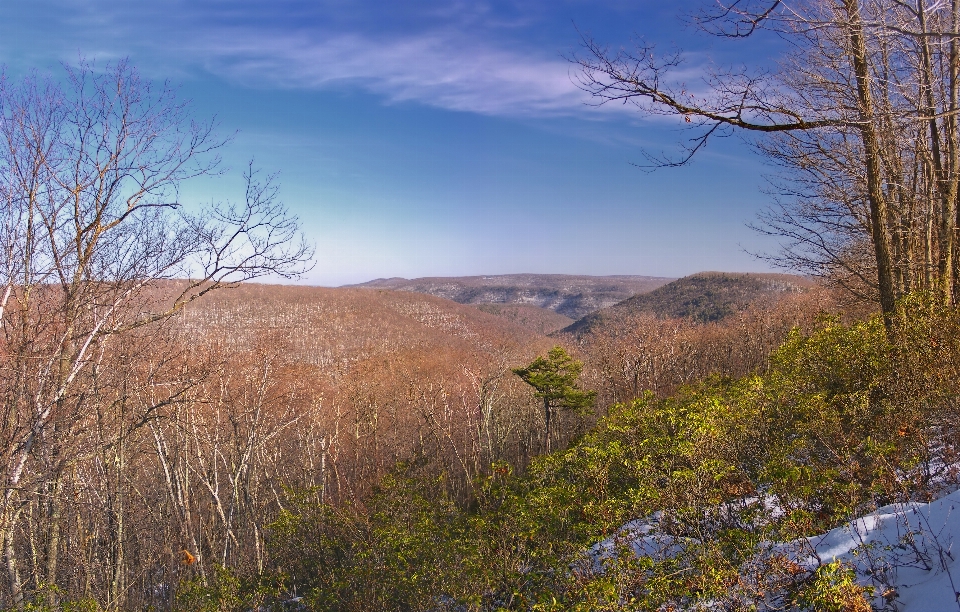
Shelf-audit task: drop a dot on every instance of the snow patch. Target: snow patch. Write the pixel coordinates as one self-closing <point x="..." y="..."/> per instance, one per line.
<point x="904" y="550"/>
<point x="908" y="553"/>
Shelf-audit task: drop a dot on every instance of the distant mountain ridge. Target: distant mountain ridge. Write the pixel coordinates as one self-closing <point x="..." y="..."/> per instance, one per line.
<point x="573" y="296"/>
<point x="703" y="297"/>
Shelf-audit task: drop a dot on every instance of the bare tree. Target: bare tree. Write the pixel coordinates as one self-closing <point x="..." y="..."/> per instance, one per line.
<point x="861" y="114"/>
<point x="96" y="245"/>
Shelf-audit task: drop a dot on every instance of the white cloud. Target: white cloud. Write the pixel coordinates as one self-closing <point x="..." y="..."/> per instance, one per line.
<point x="447" y="65"/>
<point x="434" y="69"/>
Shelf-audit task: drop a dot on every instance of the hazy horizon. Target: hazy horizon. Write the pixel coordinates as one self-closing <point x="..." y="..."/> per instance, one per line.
<point x="269" y="281"/>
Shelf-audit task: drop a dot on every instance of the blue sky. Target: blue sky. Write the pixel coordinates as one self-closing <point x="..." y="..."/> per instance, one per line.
<point x="431" y="138"/>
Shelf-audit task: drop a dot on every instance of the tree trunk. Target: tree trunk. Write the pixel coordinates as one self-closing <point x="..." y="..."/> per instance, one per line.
<point x="871" y="146"/>
<point x="546" y="420"/>
<point x="54" y="515"/>
<point x="945" y="185"/>
<point x="10" y="556"/>
<point x="953" y="144"/>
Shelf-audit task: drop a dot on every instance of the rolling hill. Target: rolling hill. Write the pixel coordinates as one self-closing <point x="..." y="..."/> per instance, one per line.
<point x="569" y="295"/>
<point x="333" y="327"/>
<point x="704" y="297"/>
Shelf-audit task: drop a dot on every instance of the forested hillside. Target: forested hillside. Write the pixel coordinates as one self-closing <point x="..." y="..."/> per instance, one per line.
<point x="569" y="295"/>
<point x="660" y="341"/>
<point x="393" y="375"/>
<point x="268" y="399"/>
<point x="535" y="318"/>
<point x="706" y="297"/>
<point x="414" y="408"/>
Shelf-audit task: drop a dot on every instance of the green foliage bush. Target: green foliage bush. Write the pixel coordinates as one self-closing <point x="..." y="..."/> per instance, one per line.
<point x="834" y="589"/>
<point x="49" y="598"/>
<point x="223" y="593"/>
<point x="397" y="552"/>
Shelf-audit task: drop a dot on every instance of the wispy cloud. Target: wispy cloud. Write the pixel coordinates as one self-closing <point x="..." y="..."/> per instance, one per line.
<point x="450" y="62"/>
<point x="437" y="69"/>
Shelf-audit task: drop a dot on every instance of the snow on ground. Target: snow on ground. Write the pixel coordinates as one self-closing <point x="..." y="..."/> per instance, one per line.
<point x="908" y="553"/>
<point x="642" y="537"/>
<point x="912" y="548"/>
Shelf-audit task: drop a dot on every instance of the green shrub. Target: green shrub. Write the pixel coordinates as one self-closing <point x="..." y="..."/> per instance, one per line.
<point x="402" y="550"/>
<point x="48" y="598"/>
<point x="834" y="589"/>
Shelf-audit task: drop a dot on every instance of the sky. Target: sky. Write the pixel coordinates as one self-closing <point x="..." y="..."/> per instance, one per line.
<point x="432" y="138"/>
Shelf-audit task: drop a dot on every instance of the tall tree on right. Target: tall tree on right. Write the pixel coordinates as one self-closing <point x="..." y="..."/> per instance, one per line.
<point x="861" y="116"/>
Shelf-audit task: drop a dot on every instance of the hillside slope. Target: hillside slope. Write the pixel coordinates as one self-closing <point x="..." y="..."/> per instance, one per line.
<point x="703" y="298"/>
<point x="569" y="295"/>
<point x="334" y="328"/>
<point x="533" y="318"/>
